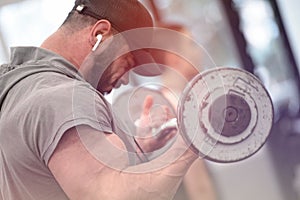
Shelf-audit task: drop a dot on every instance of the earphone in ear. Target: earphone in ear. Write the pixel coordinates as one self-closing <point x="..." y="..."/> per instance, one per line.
<point x="99" y="38"/>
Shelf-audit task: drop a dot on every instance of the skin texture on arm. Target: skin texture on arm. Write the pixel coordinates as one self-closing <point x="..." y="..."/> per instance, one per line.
<point x="198" y="183"/>
<point x="82" y="176"/>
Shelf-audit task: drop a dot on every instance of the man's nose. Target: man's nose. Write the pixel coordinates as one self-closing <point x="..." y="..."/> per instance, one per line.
<point x="125" y="78"/>
<point x="130" y="60"/>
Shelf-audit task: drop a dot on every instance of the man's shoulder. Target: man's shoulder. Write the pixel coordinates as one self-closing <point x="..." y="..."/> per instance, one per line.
<point x="57" y="88"/>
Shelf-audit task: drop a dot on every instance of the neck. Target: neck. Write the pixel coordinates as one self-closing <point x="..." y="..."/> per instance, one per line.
<point x="73" y="47"/>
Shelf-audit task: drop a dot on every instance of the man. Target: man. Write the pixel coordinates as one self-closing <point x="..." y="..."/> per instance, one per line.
<point x="58" y="135"/>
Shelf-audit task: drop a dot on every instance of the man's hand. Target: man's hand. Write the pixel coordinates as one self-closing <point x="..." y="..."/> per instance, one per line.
<point x="151" y="119"/>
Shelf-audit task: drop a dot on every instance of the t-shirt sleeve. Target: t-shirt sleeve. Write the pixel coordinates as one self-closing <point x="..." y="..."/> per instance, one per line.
<point x="65" y="107"/>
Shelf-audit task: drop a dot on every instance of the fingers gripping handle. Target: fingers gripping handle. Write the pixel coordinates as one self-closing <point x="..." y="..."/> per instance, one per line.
<point x="166" y="127"/>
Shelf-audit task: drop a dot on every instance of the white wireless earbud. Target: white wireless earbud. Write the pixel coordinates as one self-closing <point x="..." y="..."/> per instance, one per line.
<point x="99" y="38"/>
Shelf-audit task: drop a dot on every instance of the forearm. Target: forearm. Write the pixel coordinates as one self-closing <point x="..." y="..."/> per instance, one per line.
<point x="85" y="175"/>
<point x="198" y="183"/>
<point x="158" y="179"/>
<point x="161" y="183"/>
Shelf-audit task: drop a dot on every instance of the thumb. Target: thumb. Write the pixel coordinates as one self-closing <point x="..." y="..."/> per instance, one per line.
<point x="144" y="120"/>
<point x="147" y="105"/>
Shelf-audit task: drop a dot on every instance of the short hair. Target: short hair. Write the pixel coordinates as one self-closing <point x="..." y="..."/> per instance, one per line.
<point x="76" y="22"/>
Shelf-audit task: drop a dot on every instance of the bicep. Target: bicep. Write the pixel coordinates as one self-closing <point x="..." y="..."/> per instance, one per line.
<point x="85" y="160"/>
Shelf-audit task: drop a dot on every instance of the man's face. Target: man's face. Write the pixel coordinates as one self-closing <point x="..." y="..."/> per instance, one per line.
<point x="115" y="75"/>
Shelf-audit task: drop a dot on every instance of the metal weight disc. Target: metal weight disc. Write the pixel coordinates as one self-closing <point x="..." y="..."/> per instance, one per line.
<point x="225" y="114"/>
<point x="229" y="115"/>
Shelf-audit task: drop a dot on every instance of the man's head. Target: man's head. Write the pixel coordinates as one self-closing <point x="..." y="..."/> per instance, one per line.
<point x="90" y="18"/>
<point x="122" y="14"/>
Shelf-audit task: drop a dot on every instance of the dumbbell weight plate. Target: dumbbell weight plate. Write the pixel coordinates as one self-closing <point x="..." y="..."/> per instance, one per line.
<point x="225" y="114"/>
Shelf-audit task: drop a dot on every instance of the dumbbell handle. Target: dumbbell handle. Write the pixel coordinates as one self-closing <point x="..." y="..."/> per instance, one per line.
<point x="166" y="127"/>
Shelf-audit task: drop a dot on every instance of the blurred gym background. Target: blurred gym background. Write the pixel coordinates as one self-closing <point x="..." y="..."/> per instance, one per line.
<point x="260" y="36"/>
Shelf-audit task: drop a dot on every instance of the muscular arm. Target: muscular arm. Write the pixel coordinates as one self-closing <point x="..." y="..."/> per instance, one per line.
<point x="198" y="183"/>
<point x="82" y="176"/>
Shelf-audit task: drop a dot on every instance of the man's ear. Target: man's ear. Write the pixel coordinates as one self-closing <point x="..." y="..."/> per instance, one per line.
<point x="102" y="27"/>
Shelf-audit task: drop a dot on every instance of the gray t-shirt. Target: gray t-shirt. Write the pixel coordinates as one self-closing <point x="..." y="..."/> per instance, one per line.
<point x="41" y="96"/>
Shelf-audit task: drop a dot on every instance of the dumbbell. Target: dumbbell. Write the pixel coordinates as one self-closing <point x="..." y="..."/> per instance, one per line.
<point x="224" y="114"/>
